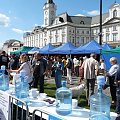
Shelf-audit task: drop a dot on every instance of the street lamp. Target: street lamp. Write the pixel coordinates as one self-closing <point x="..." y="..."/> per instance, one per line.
<point x="100" y="34"/>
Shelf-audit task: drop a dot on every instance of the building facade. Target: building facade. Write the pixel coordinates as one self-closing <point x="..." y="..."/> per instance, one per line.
<point x="76" y="29"/>
<point x="11" y="45"/>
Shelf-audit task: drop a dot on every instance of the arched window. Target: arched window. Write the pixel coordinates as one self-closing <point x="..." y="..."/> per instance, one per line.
<point x="115" y="13"/>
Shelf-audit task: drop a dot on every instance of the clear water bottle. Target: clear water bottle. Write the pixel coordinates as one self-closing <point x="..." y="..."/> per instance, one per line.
<point x="17" y="85"/>
<point x="4" y="79"/>
<point x="24" y="85"/>
<point x="63" y="100"/>
<point x="100" y="103"/>
<point x="1" y="80"/>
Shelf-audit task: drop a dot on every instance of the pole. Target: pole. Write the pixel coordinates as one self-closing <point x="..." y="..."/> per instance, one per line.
<point x="100" y="34"/>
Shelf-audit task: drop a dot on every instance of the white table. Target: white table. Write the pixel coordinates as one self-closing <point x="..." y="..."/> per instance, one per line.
<point x="77" y="113"/>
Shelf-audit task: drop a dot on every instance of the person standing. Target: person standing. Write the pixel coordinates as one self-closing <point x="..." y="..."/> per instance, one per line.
<point x="81" y="71"/>
<point x="117" y="82"/>
<point x="58" y="67"/>
<point x="69" y="66"/>
<point x="4" y="60"/>
<point x="14" y="62"/>
<point x="90" y="66"/>
<point x="39" y="72"/>
<point x="111" y="76"/>
<point x="102" y="67"/>
<point x="25" y="67"/>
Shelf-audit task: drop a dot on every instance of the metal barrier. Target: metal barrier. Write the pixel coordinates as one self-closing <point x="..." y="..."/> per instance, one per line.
<point x="19" y="109"/>
<point x="40" y="117"/>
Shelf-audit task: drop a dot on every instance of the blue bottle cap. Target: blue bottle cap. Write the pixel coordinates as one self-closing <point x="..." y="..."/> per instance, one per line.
<point x="63" y="82"/>
<point x="100" y="80"/>
<point x="3" y="67"/>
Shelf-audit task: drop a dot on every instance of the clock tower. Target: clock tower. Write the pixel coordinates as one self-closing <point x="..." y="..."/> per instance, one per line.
<point x="49" y="12"/>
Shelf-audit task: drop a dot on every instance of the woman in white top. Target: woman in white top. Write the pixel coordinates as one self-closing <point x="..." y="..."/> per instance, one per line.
<point x="111" y="74"/>
<point x="25" y="67"/>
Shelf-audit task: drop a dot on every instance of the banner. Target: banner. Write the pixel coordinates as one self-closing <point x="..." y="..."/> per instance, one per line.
<point x="4" y="106"/>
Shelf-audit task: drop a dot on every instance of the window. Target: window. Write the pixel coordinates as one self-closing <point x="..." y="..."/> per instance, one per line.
<point x="83" y="32"/>
<point x="87" y="39"/>
<point x="78" y="39"/>
<point x="82" y="22"/>
<point x="56" y="31"/>
<point x="82" y="40"/>
<point x="114" y="28"/>
<point x="87" y="32"/>
<point x="107" y="37"/>
<point x="73" y="40"/>
<point x="77" y="31"/>
<point x="115" y="36"/>
<point x="63" y="38"/>
<point x="56" y="38"/>
<point x="107" y="29"/>
<point x="115" y="13"/>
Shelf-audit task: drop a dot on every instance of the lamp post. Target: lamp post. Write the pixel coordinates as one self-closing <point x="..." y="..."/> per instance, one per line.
<point x="100" y="34"/>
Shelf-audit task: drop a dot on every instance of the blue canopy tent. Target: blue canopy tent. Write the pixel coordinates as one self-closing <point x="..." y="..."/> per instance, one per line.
<point x="64" y="49"/>
<point x="91" y="47"/>
<point x="106" y="46"/>
<point x="46" y="49"/>
<point x="34" y="50"/>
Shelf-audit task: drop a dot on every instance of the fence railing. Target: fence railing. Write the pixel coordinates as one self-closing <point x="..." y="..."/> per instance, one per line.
<point x="19" y="109"/>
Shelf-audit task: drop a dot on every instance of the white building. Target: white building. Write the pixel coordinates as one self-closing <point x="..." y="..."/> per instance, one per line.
<point x="11" y="45"/>
<point x="76" y="29"/>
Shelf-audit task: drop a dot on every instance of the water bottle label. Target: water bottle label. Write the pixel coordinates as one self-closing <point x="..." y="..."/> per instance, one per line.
<point x="51" y="117"/>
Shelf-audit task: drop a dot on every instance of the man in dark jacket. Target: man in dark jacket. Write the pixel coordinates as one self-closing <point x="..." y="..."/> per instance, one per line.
<point x="4" y="60"/>
<point x="39" y="72"/>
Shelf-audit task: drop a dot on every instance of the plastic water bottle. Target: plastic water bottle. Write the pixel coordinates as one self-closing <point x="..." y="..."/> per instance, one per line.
<point x="17" y="85"/>
<point x="1" y="80"/>
<point x="24" y="85"/>
<point x="100" y="103"/>
<point x="4" y="79"/>
<point x="63" y="100"/>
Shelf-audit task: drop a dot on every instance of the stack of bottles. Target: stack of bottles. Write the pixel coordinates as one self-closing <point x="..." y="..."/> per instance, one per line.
<point x="21" y="86"/>
<point x="100" y="103"/>
<point x="63" y="100"/>
<point x="4" y="79"/>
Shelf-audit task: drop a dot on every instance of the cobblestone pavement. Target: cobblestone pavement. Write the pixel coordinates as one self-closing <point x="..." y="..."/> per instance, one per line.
<point x="75" y="81"/>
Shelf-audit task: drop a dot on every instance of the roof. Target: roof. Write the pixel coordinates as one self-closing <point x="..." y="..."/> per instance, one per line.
<point x="96" y="19"/>
<point x="9" y="42"/>
<point x="64" y="17"/>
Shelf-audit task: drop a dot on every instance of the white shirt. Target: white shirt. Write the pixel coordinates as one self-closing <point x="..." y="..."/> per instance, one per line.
<point x="27" y="68"/>
<point x="102" y="66"/>
<point x="113" y="69"/>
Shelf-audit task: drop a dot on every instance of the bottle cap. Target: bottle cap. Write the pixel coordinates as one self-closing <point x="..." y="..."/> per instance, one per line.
<point x="100" y="80"/>
<point x="3" y="67"/>
<point x="63" y="82"/>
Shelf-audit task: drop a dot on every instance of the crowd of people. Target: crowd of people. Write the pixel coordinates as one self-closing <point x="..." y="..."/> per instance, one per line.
<point x="85" y="68"/>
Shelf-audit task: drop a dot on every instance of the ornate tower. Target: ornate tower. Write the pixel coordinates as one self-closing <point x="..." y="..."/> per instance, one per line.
<point x="49" y="12"/>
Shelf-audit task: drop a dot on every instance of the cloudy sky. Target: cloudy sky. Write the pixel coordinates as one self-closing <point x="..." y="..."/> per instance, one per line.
<point x="19" y="16"/>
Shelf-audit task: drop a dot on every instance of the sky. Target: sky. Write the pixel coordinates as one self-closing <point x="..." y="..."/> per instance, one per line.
<point x="19" y="16"/>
